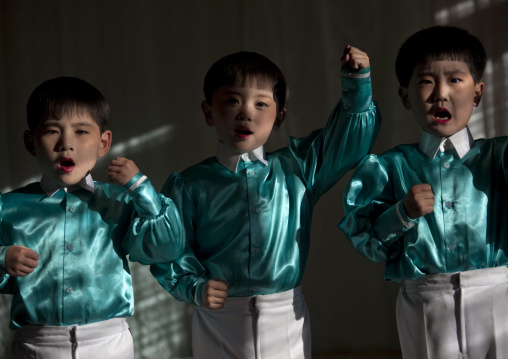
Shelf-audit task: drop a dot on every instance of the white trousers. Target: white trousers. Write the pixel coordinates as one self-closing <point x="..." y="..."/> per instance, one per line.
<point x="109" y="339"/>
<point x="274" y="326"/>
<point x="458" y="315"/>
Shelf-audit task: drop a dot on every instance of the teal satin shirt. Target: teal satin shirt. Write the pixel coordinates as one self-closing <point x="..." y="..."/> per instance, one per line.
<point x="82" y="239"/>
<point x="252" y="227"/>
<point x="467" y="229"/>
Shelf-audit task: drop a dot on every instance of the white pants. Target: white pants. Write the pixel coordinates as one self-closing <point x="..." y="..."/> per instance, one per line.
<point x="274" y="326"/>
<point x="109" y="339"/>
<point x="458" y="315"/>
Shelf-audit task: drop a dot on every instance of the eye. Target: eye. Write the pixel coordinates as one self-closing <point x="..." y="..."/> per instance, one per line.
<point x="455" y="80"/>
<point x="49" y="131"/>
<point x="231" y="100"/>
<point x="261" y="104"/>
<point x="425" y="82"/>
<point x="81" y="132"/>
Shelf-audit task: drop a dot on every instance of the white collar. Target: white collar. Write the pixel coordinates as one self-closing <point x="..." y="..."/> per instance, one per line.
<point x="50" y="187"/>
<point x="229" y="158"/>
<point x="461" y="141"/>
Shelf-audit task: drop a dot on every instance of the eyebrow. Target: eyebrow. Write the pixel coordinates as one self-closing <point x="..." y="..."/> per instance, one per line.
<point x="426" y="72"/>
<point x="54" y="122"/>
<point x="268" y="94"/>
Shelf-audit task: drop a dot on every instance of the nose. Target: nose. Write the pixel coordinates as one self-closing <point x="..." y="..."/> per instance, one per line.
<point x="440" y="93"/>
<point x="67" y="147"/>
<point x="244" y="114"/>
<point x="64" y="143"/>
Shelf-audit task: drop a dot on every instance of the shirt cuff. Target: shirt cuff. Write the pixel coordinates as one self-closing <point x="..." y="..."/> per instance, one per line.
<point x="403" y="217"/>
<point x="147" y="201"/>
<point x="356" y="90"/>
<point x="3" y="250"/>
<point x="135" y="181"/>
<point x="392" y="223"/>
<point x="197" y="292"/>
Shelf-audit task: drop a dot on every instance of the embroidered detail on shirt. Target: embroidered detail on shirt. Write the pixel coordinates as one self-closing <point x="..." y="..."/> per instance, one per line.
<point x="404" y="223"/>
<point x="138" y="182"/>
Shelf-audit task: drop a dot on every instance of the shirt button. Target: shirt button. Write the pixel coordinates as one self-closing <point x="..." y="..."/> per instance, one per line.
<point x="253" y="289"/>
<point x="252" y="173"/>
<point x="69" y="290"/>
<point x="446" y="165"/>
<point x="346" y="106"/>
<point x="70" y="247"/>
<point x="451" y="247"/>
<point x="449" y="204"/>
<point x="399" y="234"/>
<point x="345" y="89"/>
<point x="71" y="209"/>
<point x="255" y="250"/>
<point x="255" y="210"/>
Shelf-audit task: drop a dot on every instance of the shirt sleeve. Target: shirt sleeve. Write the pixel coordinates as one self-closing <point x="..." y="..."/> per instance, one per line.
<point x="156" y="232"/>
<point x="183" y="277"/>
<point x="4" y="277"/>
<point x="375" y="220"/>
<point x="329" y="153"/>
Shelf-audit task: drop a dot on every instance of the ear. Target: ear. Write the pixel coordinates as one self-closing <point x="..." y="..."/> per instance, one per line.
<point x="207" y="112"/>
<point x="28" y="138"/>
<point x="281" y="116"/>
<point x="404" y="97"/>
<point x="105" y="144"/>
<point x="478" y="91"/>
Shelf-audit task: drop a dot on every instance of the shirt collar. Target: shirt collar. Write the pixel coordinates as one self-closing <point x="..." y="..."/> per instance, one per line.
<point x="50" y="187"/>
<point x="461" y="141"/>
<point x="229" y="158"/>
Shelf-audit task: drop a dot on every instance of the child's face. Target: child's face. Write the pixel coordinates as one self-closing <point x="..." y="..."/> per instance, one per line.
<point x="243" y="116"/>
<point x="68" y="148"/>
<point x="441" y="95"/>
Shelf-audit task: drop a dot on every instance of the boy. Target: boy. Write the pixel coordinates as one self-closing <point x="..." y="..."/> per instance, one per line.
<point x="435" y="211"/>
<point x="247" y="213"/>
<point x="65" y="240"/>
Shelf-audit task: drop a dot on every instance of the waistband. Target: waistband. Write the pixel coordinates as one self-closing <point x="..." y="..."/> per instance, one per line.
<point x="453" y="281"/>
<point x="54" y="334"/>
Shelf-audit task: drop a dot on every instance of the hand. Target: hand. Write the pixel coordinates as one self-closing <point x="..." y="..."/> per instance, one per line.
<point x="419" y="201"/>
<point x="121" y="170"/>
<point x="214" y="293"/>
<point x="355" y="58"/>
<point x="20" y="261"/>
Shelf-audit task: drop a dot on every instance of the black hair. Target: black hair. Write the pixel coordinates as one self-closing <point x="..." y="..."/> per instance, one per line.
<point x="440" y="43"/>
<point x="241" y="67"/>
<point x="55" y="97"/>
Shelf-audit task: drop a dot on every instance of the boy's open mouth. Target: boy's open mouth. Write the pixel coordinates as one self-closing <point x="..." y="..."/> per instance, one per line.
<point x="66" y="164"/>
<point x="243" y="132"/>
<point x="442" y="115"/>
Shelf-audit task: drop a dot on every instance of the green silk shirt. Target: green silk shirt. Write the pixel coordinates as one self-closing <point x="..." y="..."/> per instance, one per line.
<point x="251" y="227"/>
<point x="83" y="239"/>
<point x="466" y="230"/>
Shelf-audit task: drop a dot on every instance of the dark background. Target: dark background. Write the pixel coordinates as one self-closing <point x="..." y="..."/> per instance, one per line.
<point x="149" y="59"/>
